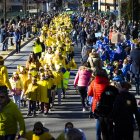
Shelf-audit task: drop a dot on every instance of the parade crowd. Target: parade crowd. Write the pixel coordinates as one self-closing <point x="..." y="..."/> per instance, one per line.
<point x="110" y="64"/>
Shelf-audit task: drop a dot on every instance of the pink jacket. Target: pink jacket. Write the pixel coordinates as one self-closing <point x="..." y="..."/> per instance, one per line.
<point x="82" y="77"/>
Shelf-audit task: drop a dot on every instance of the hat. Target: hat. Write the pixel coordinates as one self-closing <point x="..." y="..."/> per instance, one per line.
<point x="38" y="125"/>
<point x="63" y="70"/>
<point x="3" y="91"/>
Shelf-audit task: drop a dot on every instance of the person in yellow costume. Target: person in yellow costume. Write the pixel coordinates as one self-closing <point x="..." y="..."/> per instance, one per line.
<point x="4" y="80"/>
<point x="53" y="86"/>
<point x="32" y="94"/>
<point x="49" y="56"/>
<point x="58" y="60"/>
<point x="37" y="48"/>
<point x="44" y="97"/>
<point x="49" y="41"/>
<point x="32" y="61"/>
<point x="58" y="76"/>
<point x="39" y="133"/>
<point x="25" y="87"/>
<point x="23" y="76"/>
<point x="10" y="118"/>
<point x="49" y="83"/>
<point x="42" y="60"/>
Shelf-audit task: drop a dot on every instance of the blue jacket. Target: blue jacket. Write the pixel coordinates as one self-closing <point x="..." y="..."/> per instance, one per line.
<point x="17" y="36"/>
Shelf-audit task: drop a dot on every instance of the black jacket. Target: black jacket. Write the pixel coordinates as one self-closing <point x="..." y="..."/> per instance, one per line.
<point x="125" y="107"/>
<point x="135" y="57"/>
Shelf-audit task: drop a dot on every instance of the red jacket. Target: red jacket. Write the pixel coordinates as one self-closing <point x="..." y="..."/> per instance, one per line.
<point x="96" y="88"/>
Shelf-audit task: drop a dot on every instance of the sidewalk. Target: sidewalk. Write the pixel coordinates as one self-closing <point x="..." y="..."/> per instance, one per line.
<point x="12" y="49"/>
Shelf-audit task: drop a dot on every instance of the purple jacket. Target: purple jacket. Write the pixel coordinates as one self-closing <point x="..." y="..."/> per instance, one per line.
<point x="82" y="77"/>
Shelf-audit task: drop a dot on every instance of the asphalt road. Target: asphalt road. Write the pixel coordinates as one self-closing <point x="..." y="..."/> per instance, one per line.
<point x="70" y="110"/>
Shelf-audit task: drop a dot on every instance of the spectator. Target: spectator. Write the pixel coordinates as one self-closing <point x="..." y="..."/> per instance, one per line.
<point x="4" y="34"/>
<point x="10" y="116"/>
<point x="39" y="133"/>
<point x="125" y="107"/>
<point x="68" y="126"/>
<point x="86" y="50"/>
<point x="104" y="111"/>
<point x="135" y="67"/>
<point x="17" y="36"/>
<point x="82" y="37"/>
<point x="74" y="134"/>
<point x="94" y="61"/>
<point x="95" y="90"/>
<point x="82" y="79"/>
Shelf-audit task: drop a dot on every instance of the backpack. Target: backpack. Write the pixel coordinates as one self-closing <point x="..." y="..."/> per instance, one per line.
<point x="105" y="105"/>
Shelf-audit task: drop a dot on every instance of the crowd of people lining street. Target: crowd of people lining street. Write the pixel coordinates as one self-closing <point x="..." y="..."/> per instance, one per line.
<point x="110" y="64"/>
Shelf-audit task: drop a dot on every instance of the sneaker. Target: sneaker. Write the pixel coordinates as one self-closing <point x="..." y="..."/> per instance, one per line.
<point x="41" y="112"/>
<point x="34" y="114"/>
<point x="64" y="97"/>
<point x="84" y="109"/>
<point x="29" y="114"/>
<point x="45" y="113"/>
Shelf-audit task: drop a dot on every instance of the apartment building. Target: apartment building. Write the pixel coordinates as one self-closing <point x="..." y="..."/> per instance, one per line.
<point x="105" y="5"/>
<point x="19" y="5"/>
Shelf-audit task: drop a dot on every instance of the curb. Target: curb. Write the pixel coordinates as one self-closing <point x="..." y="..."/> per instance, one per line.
<point x="14" y="50"/>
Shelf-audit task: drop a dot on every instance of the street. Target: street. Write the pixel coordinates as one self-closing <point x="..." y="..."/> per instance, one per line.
<point x="69" y="110"/>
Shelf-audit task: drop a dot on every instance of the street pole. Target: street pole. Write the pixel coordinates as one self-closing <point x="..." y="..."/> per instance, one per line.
<point x="115" y="5"/>
<point x="5" y="12"/>
<point x="119" y="9"/>
<point x="105" y="5"/>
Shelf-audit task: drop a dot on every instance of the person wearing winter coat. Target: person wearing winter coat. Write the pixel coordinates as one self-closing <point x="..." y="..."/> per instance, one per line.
<point x="96" y="88"/>
<point x="124" y="110"/>
<point x="17" y="88"/>
<point x="11" y="119"/>
<point x="82" y="80"/>
<point x="135" y="66"/>
<point x="86" y="50"/>
<point x="94" y="61"/>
